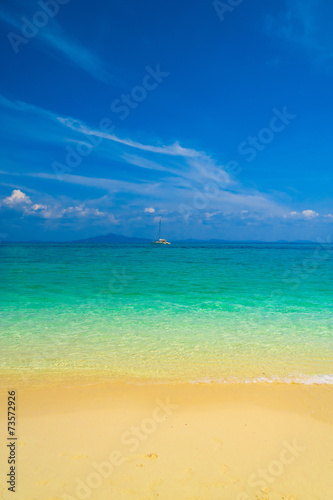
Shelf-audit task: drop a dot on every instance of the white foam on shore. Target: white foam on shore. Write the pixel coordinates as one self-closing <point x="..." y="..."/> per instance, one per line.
<point x="291" y="379"/>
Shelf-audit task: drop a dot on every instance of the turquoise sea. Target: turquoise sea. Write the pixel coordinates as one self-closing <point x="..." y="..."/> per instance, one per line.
<point x="144" y="313"/>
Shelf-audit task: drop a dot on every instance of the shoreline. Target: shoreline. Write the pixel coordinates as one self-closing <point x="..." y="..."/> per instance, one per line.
<point x="167" y="441"/>
<point x="70" y="378"/>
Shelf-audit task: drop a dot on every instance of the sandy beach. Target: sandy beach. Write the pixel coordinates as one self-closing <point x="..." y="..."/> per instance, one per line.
<point x="184" y="442"/>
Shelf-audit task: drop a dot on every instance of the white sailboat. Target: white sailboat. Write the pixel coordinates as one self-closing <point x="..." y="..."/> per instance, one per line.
<point x="160" y="241"/>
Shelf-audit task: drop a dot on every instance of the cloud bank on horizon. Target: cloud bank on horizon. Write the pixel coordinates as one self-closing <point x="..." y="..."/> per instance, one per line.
<point x="225" y="147"/>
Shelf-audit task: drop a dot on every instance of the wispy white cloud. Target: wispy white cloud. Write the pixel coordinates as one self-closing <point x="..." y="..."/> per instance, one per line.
<point x="180" y="173"/>
<point x="174" y="149"/>
<point x="141" y="162"/>
<point x="53" y="39"/>
<point x="170" y="174"/>
<point x="304" y="23"/>
<point x="25" y="107"/>
<point x="110" y="185"/>
<point x="170" y="194"/>
<point x="186" y="164"/>
<point x="198" y="164"/>
<point x="77" y="54"/>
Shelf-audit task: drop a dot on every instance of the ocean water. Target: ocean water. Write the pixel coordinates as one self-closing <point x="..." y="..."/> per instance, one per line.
<point x="144" y="313"/>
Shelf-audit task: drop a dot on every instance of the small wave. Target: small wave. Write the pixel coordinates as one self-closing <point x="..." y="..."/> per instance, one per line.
<point x="291" y="379"/>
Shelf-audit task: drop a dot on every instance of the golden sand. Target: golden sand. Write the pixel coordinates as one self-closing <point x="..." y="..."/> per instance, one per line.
<point x="171" y="442"/>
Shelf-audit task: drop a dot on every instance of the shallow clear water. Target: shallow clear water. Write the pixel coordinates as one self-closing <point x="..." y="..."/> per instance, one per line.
<point x="180" y="312"/>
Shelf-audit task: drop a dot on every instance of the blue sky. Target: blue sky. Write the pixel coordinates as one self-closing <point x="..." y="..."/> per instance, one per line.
<point x="215" y="116"/>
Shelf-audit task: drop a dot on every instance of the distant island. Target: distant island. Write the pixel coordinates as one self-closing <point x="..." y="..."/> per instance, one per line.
<point x="120" y="238"/>
<point x="112" y="238"/>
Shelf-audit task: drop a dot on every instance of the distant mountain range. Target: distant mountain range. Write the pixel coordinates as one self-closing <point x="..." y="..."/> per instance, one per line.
<point x="119" y="238"/>
<point x="112" y="238"/>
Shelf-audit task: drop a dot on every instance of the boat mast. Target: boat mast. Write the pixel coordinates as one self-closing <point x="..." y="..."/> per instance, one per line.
<point x="159" y="229"/>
